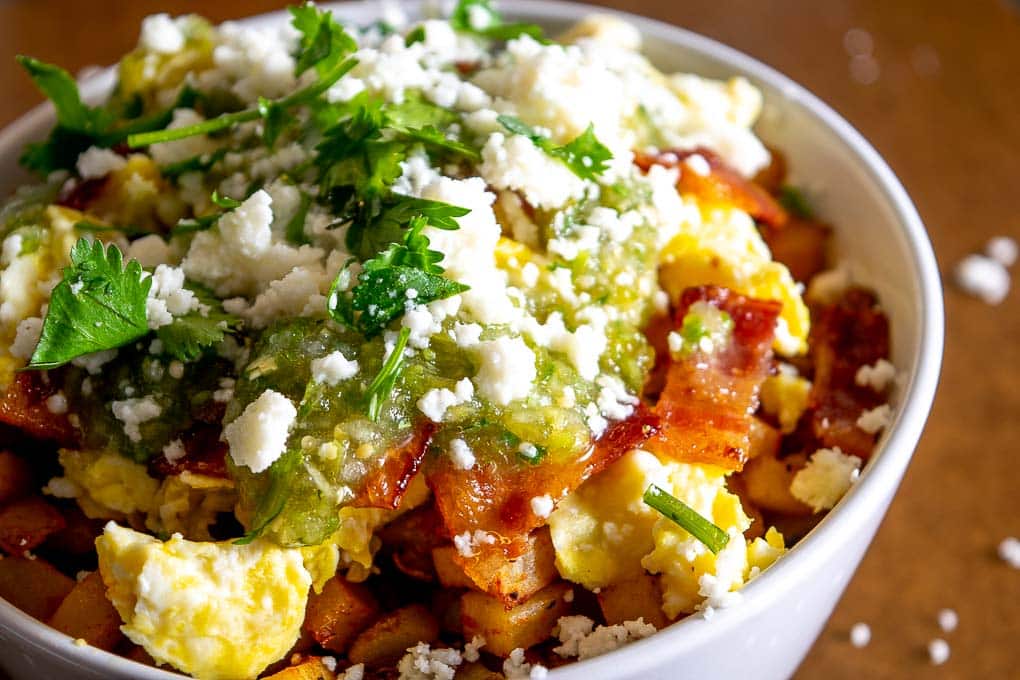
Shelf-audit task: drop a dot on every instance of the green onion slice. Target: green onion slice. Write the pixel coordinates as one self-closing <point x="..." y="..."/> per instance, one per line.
<point x="714" y="538"/>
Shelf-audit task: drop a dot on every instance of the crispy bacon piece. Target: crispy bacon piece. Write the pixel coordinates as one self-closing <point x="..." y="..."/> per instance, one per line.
<point x="83" y="194"/>
<point x="495" y="496"/>
<point x="722" y="184"/>
<point x="845" y="335"/>
<point x="386" y="485"/>
<point x="709" y="399"/>
<point x="204" y="454"/>
<point x="23" y="406"/>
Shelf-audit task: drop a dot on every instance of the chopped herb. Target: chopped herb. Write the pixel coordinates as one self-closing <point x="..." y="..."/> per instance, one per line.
<point x="206" y="221"/>
<point x="402" y="274"/>
<point x="295" y="230"/>
<point x="224" y="201"/>
<point x="704" y="327"/>
<point x="270" y="505"/>
<point x="194" y="164"/>
<point x="531" y="453"/>
<point x="415" y="36"/>
<point x="99" y="305"/>
<point x="381" y="223"/>
<point x="380" y="388"/>
<point x="794" y="202"/>
<point x="479" y="17"/>
<point x="324" y="43"/>
<point x="714" y="538"/>
<point x="190" y="335"/>
<point x="585" y="155"/>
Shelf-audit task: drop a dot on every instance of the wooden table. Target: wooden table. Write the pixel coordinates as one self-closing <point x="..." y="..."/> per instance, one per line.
<point x="945" y="112"/>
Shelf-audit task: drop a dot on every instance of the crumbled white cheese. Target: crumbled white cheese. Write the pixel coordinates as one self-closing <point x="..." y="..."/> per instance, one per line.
<point x="860" y="635"/>
<point x="62" y="487"/>
<point x="825" y="479"/>
<point x="168" y="297"/>
<point x="506" y="369"/>
<point x="614" y="401"/>
<point x="150" y="251"/>
<point x="56" y="403"/>
<point x="578" y="638"/>
<point x="435" y="402"/>
<point x="1009" y="551"/>
<point x="542" y="506"/>
<point x="876" y="419"/>
<point x="355" y="672"/>
<point x="161" y="34"/>
<point x="467" y="543"/>
<point x="516" y="668"/>
<point x="259" y="435"/>
<point x="877" y="377"/>
<point x="514" y="162"/>
<point x="472" y="647"/>
<point x="466" y="334"/>
<point x="828" y="286"/>
<point x="95" y="162"/>
<point x="948" y="620"/>
<point x="27" y="337"/>
<point x="333" y="368"/>
<point x="461" y="454"/>
<point x="134" y="412"/>
<point x="983" y="278"/>
<point x="938" y="651"/>
<point x="93" y="363"/>
<point x="1003" y="249"/>
<point x="697" y="164"/>
<point x="174" y="451"/>
<point x="423" y="663"/>
<point x="167" y="153"/>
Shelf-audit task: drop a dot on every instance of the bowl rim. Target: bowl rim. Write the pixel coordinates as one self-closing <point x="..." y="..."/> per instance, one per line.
<point x="879" y="478"/>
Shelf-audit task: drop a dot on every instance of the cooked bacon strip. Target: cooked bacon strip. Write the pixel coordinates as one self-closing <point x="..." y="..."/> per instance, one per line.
<point x="23" y="405"/>
<point x="83" y="194"/>
<point x="494" y="497"/>
<point x="204" y="454"/>
<point x="723" y="184"/>
<point x="709" y="399"/>
<point x="385" y="486"/>
<point x="845" y="335"/>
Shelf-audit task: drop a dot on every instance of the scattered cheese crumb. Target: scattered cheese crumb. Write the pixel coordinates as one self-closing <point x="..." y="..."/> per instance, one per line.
<point x="825" y="478"/>
<point x="516" y="668"/>
<point x="423" y="663"/>
<point x="134" y="412"/>
<point x="860" y="635"/>
<point x="56" y="403"/>
<point x="161" y="34"/>
<point x="948" y="620"/>
<point x="466" y="543"/>
<point x="542" y="506"/>
<point x="983" y="278"/>
<point x="355" y="672"/>
<point x="95" y="162"/>
<point x="330" y="663"/>
<point x="174" y="451"/>
<point x="579" y="639"/>
<point x="1003" y="249"/>
<point x="507" y="370"/>
<point x="876" y="419"/>
<point x="938" y="651"/>
<point x="259" y="435"/>
<point x="461" y="454"/>
<point x="1009" y="551"/>
<point x="436" y="401"/>
<point x="333" y="368"/>
<point x="877" y="376"/>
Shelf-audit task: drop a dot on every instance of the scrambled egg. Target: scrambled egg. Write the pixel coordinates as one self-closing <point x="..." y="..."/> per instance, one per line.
<point x="213" y="610"/>
<point x="726" y="249"/>
<point x="604" y="533"/>
<point x="785" y="396"/>
<point x="108" y="484"/>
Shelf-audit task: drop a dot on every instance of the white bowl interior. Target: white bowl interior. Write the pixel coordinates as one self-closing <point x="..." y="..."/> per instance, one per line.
<point x="879" y="235"/>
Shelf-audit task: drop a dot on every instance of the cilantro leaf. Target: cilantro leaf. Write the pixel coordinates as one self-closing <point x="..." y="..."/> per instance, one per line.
<point x="190" y="335"/>
<point x="323" y="41"/>
<point x="206" y="221"/>
<point x="295" y="230"/>
<point x="405" y="273"/>
<point x="99" y="305"/>
<point x="585" y="155"/>
<point x="479" y="17"/>
<point x="78" y="126"/>
<point x="383" y="223"/>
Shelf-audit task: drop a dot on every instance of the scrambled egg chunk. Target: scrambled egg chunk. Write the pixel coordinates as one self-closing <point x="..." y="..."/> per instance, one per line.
<point x="726" y="249"/>
<point x="604" y="533"/>
<point x="213" y="610"/>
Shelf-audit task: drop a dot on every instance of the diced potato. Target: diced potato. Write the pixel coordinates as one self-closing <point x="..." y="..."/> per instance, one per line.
<point x="33" y="586"/>
<point x="78" y="537"/>
<point x="339" y="613"/>
<point x="388" y="639"/>
<point x="309" y="669"/>
<point x="635" y="598"/>
<point x="446" y="607"/>
<point x="25" y="524"/>
<point x="514" y="581"/>
<point x="450" y="574"/>
<point x="15" y="477"/>
<point x="525" y="625"/>
<point x="767" y="480"/>
<point x="86" y="613"/>
<point x="764" y="438"/>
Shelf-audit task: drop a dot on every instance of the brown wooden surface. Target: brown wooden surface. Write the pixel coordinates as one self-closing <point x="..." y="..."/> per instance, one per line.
<point x="951" y="131"/>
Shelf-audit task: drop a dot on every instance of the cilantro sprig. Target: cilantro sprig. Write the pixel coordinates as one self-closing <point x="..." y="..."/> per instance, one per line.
<point x="681" y="514"/>
<point x="323" y="41"/>
<point x="188" y="336"/>
<point x="585" y="155"/>
<point x="99" y="305"/>
<point x="405" y="273"/>
<point x="479" y="17"/>
<point x="378" y="391"/>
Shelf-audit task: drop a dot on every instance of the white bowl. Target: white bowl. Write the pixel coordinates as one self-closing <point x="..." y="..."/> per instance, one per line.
<point x="880" y="236"/>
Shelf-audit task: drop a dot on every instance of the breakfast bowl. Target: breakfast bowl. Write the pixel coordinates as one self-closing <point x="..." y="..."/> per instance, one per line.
<point x="881" y="244"/>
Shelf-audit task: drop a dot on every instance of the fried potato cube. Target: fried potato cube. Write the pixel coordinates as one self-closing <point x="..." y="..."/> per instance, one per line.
<point x="767" y="482"/>
<point x="15" y="477"/>
<point x="635" y="598"/>
<point x="33" y="586"/>
<point x="25" y="524"/>
<point x="512" y="580"/>
<point x="450" y="573"/>
<point x="339" y="613"/>
<point x="523" y="626"/>
<point x="78" y="537"/>
<point x="476" y="671"/>
<point x="385" y="641"/>
<point x="87" y="613"/>
<point x="310" y="669"/>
